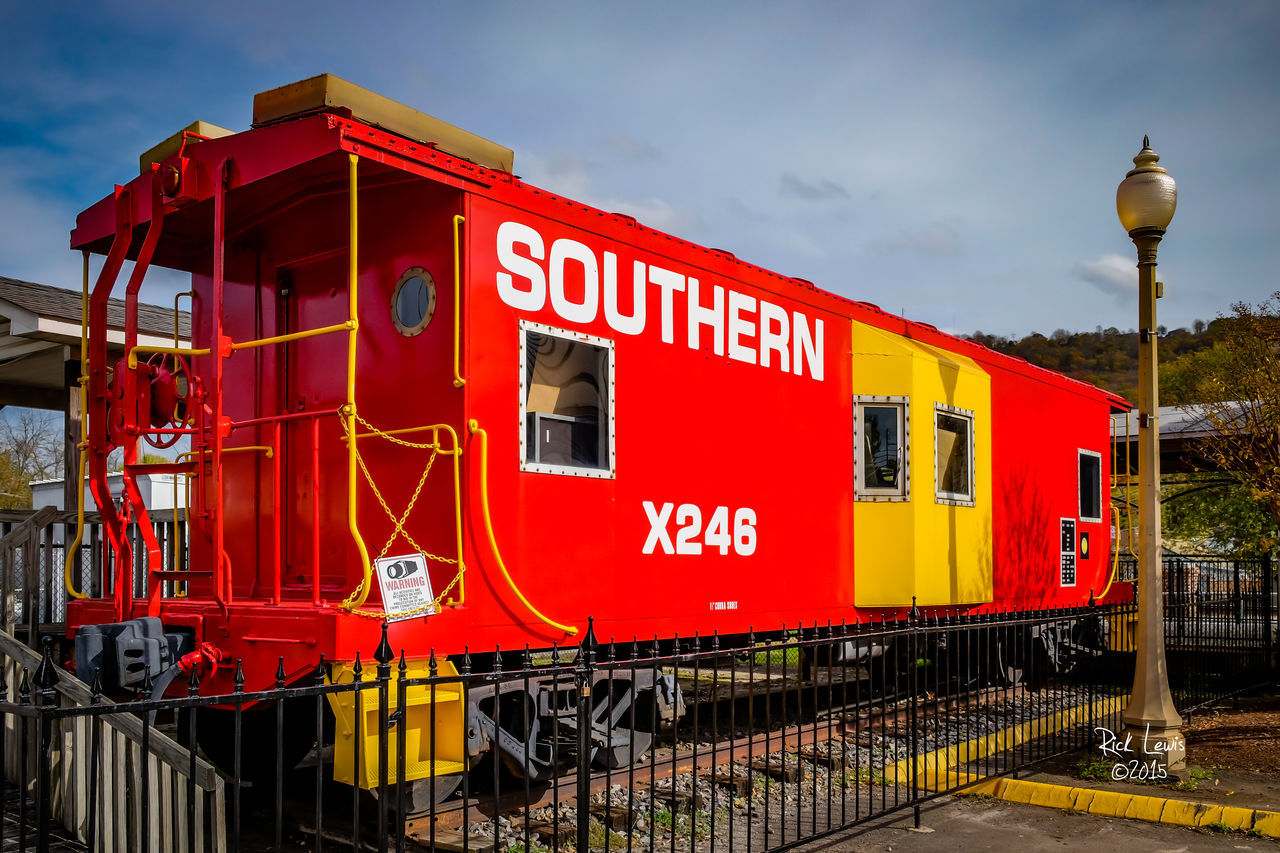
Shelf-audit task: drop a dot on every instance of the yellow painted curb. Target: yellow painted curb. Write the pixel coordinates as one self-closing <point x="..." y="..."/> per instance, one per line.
<point x="935" y="763"/>
<point x="1133" y="806"/>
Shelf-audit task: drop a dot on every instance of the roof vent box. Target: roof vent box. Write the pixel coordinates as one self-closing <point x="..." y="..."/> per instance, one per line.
<point x="325" y="92"/>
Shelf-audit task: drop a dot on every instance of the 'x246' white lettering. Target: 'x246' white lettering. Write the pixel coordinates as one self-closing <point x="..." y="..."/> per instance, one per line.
<point x="688" y="518"/>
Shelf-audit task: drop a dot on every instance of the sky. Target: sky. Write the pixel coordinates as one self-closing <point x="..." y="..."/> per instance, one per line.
<point x="952" y="162"/>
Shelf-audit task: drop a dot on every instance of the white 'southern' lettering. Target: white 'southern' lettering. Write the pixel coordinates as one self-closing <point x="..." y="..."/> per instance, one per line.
<point x="737" y="324"/>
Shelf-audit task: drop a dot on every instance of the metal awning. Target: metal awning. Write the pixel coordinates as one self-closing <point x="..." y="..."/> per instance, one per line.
<point x="1183" y="432"/>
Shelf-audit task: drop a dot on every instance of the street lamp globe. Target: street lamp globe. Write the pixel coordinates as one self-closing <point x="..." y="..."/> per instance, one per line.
<point x="1147" y="197"/>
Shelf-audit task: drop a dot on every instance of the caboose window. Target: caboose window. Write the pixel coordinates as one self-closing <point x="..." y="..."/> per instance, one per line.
<point x="413" y="302"/>
<point x="953" y="461"/>
<point x="566" y="402"/>
<point x="1090" y="486"/>
<point x="882" y="449"/>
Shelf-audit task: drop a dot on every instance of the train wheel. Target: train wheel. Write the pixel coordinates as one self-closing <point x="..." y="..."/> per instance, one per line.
<point x="260" y="742"/>
<point x="422" y="795"/>
<point x="621" y="719"/>
<point x="1010" y="661"/>
<point x="634" y="745"/>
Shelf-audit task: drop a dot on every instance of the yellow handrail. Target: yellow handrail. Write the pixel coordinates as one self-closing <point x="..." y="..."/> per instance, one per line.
<point x="265" y="448"/>
<point x="182" y="457"/>
<point x="133" y="353"/>
<point x="474" y="427"/>
<point x="458" y="219"/>
<point x="345" y="326"/>
<point x="84" y="433"/>
<point x="1128" y="505"/>
<point x="361" y="593"/>
<point x="190" y="294"/>
<point x="1123" y="483"/>
<point x="1115" y="557"/>
<point x="431" y="427"/>
<point x="454" y="450"/>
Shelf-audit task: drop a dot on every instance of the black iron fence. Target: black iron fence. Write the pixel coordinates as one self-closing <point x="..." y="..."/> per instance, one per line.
<point x="1219" y="624"/>
<point x="753" y="743"/>
<point x="756" y="743"/>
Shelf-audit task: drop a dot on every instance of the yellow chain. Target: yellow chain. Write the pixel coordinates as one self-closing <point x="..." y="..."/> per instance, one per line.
<point x="398" y="528"/>
<point x="399" y="522"/>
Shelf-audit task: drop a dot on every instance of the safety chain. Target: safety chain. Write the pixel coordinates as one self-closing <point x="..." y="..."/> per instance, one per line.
<point x="398" y="529"/>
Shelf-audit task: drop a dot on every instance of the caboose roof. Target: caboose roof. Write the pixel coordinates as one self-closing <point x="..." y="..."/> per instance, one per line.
<point x="309" y="133"/>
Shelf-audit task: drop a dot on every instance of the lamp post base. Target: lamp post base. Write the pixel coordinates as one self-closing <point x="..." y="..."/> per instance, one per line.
<point x="1157" y="746"/>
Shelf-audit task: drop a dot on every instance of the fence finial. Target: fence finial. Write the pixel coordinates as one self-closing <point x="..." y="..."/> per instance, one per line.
<point x="46" y="677"/>
<point x="589" y="641"/>
<point x="383" y="653"/>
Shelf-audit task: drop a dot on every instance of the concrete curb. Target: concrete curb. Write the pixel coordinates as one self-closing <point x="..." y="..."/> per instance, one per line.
<point x="1133" y="806"/>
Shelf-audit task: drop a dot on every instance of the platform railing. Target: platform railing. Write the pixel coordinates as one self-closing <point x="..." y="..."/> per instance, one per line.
<point x="33" y="558"/>
<point x="77" y="770"/>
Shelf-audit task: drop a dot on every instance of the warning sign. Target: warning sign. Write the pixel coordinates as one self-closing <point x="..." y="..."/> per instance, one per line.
<point x="406" y="586"/>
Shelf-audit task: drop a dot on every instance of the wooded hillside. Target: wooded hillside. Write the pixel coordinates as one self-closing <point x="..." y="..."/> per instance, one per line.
<point x="1109" y="357"/>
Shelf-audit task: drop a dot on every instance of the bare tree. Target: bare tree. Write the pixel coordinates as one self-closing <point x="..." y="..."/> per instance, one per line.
<point x="30" y="449"/>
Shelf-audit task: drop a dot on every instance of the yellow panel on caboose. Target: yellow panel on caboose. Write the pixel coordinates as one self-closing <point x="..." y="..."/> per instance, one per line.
<point x="935" y="545"/>
<point x="432" y="724"/>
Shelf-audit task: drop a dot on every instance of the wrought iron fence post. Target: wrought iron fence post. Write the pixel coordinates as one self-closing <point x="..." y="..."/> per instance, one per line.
<point x="1237" y="606"/>
<point x="1268" y="588"/>
<point x="4" y="697"/>
<point x="46" y="696"/>
<point x="383" y="655"/>
<point x="24" y="757"/>
<point x="280" y="678"/>
<point x="582" y="677"/>
<point x="913" y="647"/>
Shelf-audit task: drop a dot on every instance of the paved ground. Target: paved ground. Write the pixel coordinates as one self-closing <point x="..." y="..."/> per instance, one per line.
<point x="965" y="824"/>
<point x="1235" y="750"/>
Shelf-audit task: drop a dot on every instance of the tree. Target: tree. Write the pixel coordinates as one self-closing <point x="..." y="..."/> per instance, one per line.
<point x="1236" y="386"/>
<point x="1217" y="514"/>
<point x="30" y="449"/>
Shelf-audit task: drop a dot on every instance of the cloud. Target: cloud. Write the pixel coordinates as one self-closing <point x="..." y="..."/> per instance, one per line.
<point x="932" y="241"/>
<point x="821" y="190"/>
<point x="1112" y="274"/>
<point x="571" y="175"/>
<point x="635" y="150"/>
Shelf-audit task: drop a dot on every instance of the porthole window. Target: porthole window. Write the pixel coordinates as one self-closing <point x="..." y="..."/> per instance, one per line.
<point x="413" y="302"/>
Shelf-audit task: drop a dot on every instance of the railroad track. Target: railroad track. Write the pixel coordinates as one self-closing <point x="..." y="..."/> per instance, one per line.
<point x="874" y="717"/>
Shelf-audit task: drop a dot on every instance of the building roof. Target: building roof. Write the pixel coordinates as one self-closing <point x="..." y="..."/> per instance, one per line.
<point x="40" y="332"/>
<point x="1183" y="433"/>
<point x="57" y="303"/>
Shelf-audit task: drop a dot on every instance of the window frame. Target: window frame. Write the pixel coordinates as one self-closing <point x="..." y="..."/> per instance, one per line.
<point x="954" y="498"/>
<point x="882" y="494"/>
<point x="1082" y="452"/>
<point x="606" y="344"/>
<point x="396" y="320"/>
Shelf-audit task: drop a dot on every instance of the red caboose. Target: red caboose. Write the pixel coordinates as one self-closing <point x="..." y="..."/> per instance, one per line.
<point x="424" y="390"/>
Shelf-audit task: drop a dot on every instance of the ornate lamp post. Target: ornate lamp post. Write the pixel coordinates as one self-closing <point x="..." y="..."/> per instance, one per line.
<point x="1145" y="202"/>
